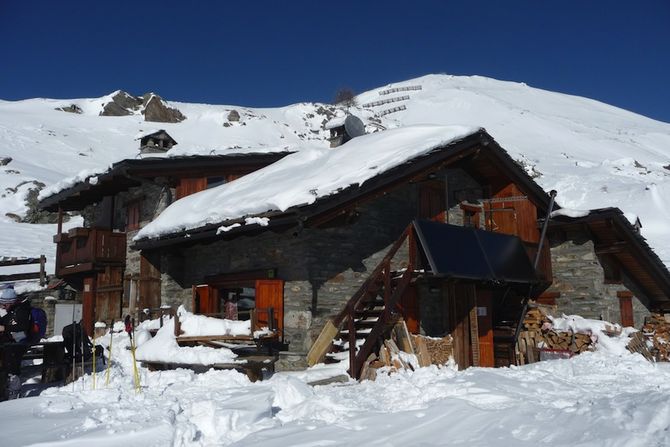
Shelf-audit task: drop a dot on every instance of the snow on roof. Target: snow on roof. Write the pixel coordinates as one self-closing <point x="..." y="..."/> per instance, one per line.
<point x="335" y="122"/>
<point x="303" y="177"/>
<point x="82" y="176"/>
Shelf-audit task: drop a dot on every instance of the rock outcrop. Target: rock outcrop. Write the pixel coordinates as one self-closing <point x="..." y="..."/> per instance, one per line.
<point x="156" y="110"/>
<point x="150" y="105"/>
<point x="122" y="104"/>
<point x="72" y="108"/>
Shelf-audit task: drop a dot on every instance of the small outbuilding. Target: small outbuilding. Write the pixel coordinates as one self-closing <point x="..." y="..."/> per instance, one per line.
<point x="156" y="142"/>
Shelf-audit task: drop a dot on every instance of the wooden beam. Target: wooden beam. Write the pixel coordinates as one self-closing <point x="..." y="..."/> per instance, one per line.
<point x="613" y="248"/>
<point x="20" y="276"/>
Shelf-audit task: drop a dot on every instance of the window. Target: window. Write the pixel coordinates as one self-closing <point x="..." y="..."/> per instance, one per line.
<point x="252" y="295"/>
<point x="213" y="182"/>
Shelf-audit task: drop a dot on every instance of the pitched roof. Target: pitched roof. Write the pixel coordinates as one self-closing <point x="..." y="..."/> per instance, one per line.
<point x="316" y="180"/>
<point x="90" y="187"/>
<point x="616" y="238"/>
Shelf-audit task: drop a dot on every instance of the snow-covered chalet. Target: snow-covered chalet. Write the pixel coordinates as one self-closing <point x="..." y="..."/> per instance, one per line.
<point x="437" y="225"/>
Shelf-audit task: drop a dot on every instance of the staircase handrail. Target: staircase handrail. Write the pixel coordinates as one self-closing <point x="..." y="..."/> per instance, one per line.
<point x="354" y="301"/>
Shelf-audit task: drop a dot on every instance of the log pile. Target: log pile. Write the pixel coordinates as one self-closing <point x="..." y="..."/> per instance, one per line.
<point x="404" y="351"/>
<point x="656" y="329"/>
<point x="538" y="334"/>
<point x="433" y="351"/>
<point x="638" y="343"/>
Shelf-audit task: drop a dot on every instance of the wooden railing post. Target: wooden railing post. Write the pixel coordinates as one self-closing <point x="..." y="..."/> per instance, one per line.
<point x="177" y="324"/>
<point x="387" y="282"/>
<point x="352" y="342"/>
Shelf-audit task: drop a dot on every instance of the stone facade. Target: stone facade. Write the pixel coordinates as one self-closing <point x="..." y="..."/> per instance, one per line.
<point x="580" y="279"/>
<point x="322" y="267"/>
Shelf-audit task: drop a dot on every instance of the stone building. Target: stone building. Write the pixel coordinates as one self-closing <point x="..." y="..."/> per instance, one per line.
<point x="357" y="241"/>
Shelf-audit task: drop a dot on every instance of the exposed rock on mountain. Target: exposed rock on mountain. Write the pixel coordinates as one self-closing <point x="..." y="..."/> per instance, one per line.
<point x="122" y="104"/>
<point x="72" y="108"/>
<point x="156" y="110"/>
<point x="234" y="115"/>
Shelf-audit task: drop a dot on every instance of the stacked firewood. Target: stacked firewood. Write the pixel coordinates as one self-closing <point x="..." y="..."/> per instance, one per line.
<point x="405" y="351"/>
<point x="657" y="329"/>
<point x="638" y="343"/>
<point x="538" y="334"/>
<point x="431" y="350"/>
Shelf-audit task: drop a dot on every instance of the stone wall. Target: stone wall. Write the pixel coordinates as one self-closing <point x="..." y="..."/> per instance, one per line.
<point x="322" y="267"/>
<point x="579" y="277"/>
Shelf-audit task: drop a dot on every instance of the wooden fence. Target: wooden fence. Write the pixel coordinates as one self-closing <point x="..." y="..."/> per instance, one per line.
<point x="12" y="262"/>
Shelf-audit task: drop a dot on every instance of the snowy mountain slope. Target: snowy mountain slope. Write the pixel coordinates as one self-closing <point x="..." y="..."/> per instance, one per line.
<point x="593" y="154"/>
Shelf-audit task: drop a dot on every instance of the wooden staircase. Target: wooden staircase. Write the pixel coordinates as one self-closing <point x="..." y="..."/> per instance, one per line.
<point x="369" y="314"/>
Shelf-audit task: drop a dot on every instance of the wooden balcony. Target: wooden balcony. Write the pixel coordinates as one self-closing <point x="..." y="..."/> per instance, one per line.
<point x="85" y="249"/>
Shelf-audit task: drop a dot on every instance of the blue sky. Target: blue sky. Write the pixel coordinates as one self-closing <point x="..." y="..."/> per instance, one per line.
<point x="271" y="53"/>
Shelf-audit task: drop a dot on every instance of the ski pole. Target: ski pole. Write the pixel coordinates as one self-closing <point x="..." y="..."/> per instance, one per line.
<point x="109" y="359"/>
<point x="74" y="347"/>
<point x="81" y="331"/>
<point x="94" y="358"/>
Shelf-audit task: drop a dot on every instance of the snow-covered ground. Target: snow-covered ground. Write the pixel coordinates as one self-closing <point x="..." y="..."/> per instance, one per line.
<point x="604" y="398"/>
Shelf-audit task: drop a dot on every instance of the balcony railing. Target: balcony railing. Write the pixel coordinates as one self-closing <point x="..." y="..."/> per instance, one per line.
<point x="82" y="249"/>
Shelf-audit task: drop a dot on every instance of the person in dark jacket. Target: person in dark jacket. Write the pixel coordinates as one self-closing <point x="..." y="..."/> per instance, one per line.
<point x="15" y="326"/>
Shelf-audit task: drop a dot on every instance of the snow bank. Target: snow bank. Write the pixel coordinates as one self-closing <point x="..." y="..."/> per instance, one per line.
<point x="163" y="346"/>
<point x="597" y="398"/>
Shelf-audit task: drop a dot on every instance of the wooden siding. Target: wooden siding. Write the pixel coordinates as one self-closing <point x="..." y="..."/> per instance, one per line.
<point x="516" y="217"/>
<point x="89" y="246"/>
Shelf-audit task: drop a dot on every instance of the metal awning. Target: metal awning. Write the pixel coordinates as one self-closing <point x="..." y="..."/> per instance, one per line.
<point x="468" y="253"/>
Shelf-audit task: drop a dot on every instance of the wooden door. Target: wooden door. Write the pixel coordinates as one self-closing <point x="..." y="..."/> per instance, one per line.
<point x="205" y="300"/>
<point x="461" y="304"/>
<point x="108" y="294"/>
<point x="270" y="295"/>
<point x="516" y="216"/>
<point x="485" y="328"/>
<point x="149" y="285"/>
<point x="409" y="303"/>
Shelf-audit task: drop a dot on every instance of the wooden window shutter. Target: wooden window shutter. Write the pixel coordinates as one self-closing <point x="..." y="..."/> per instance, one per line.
<point x="626" y="308"/>
<point x="188" y="186"/>
<point x="270" y="294"/>
<point x="205" y="300"/>
<point x="133" y="218"/>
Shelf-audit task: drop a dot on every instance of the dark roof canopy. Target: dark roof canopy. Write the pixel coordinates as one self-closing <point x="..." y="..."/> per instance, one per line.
<point x="129" y="173"/>
<point x="468" y="253"/>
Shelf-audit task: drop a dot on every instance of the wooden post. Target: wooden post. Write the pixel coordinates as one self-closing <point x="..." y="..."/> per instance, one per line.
<point x="352" y="342"/>
<point x="387" y="282"/>
<point x="271" y="318"/>
<point x="60" y="221"/>
<point x="177" y="325"/>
